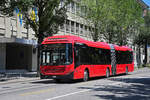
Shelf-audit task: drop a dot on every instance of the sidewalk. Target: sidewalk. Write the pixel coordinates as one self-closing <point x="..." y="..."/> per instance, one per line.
<point x="13" y="76"/>
<point x="16" y="80"/>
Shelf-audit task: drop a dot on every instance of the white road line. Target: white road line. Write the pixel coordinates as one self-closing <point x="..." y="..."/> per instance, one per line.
<point x="57" y="97"/>
<point x="67" y="94"/>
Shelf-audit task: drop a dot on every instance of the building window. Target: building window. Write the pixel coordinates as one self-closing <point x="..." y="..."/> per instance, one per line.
<point x="62" y="28"/>
<point x="72" y="7"/>
<point x="81" y="29"/>
<point x="83" y="10"/>
<point x="78" y="9"/>
<point x="85" y="30"/>
<point x="1" y="34"/>
<point x="77" y="28"/>
<point x="67" y="26"/>
<point x="72" y="27"/>
<point x="68" y="7"/>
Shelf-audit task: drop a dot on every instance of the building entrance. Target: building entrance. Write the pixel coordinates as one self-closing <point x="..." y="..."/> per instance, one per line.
<point x="18" y="56"/>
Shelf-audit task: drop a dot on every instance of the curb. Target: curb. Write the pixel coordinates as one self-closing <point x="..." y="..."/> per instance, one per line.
<point x="21" y="79"/>
<point x="7" y="77"/>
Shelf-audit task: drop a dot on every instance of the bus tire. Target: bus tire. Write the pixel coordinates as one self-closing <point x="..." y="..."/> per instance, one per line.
<point x="107" y="73"/>
<point x="86" y="76"/>
<point x="126" y="71"/>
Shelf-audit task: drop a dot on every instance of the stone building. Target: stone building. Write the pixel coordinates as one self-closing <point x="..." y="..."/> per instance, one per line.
<point x="16" y="45"/>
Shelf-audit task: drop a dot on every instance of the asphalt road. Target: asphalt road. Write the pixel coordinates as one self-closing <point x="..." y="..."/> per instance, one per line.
<point x="135" y="86"/>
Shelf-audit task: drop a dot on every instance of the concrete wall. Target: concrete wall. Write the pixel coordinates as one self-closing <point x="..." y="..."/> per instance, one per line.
<point x="34" y="59"/>
<point x="11" y="27"/>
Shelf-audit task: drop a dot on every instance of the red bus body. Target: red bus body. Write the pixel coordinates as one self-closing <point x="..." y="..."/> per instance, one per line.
<point x="76" y="71"/>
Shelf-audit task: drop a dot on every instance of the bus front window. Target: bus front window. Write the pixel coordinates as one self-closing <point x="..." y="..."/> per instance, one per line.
<point x="56" y="54"/>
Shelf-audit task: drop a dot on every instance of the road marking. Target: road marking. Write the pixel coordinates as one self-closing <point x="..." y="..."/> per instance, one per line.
<point x="10" y="91"/>
<point x="68" y="94"/>
<point x="37" y="92"/>
<point x="61" y="96"/>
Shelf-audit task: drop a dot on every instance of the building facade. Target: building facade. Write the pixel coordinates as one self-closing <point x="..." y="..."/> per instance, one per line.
<point x="75" y="24"/>
<point x="17" y="45"/>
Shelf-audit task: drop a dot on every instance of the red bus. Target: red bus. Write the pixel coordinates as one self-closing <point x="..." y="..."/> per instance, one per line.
<point x="71" y="57"/>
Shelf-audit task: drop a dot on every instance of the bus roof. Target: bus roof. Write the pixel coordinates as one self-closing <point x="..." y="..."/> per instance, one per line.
<point x="122" y="48"/>
<point x="76" y="39"/>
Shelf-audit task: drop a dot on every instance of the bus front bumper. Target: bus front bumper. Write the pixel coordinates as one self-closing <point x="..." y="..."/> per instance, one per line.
<point x="68" y="76"/>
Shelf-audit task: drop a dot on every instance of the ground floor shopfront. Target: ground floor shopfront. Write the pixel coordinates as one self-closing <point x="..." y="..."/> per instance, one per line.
<point x="18" y="54"/>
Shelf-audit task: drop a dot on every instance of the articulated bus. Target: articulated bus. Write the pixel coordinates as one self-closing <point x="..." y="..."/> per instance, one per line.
<point x="71" y="57"/>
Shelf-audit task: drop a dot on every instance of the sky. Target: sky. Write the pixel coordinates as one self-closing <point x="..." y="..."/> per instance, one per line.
<point x="147" y="2"/>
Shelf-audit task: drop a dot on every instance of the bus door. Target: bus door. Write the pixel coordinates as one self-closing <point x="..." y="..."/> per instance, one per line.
<point x="77" y="61"/>
<point x="81" y="58"/>
<point x="113" y="59"/>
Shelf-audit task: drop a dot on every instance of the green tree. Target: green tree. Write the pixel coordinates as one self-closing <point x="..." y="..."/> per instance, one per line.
<point x="113" y="18"/>
<point x="143" y="38"/>
<point x="50" y="14"/>
<point x="127" y="15"/>
<point x="95" y="15"/>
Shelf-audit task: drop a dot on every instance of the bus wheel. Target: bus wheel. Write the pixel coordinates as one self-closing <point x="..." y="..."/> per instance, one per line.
<point x="126" y="71"/>
<point x="107" y="73"/>
<point x="86" y="76"/>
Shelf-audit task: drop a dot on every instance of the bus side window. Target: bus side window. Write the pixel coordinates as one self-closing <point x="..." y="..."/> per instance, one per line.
<point x="76" y="56"/>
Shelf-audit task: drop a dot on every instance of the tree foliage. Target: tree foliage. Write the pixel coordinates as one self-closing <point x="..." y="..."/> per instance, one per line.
<point x="144" y="31"/>
<point x="143" y="38"/>
<point x="113" y="19"/>
<point x="50" y="14"/>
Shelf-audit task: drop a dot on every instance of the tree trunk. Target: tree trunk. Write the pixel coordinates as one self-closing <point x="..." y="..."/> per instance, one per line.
<point x="40" y="39"/>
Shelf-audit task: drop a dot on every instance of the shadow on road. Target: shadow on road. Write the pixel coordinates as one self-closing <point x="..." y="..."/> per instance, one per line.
<point x="65" y="81"/>
<point x="43" y="82"/>
<point x="51" y="81"/>
<point x="129" y="89"/>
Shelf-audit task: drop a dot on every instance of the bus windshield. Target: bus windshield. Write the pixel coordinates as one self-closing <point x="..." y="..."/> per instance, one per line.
<point x="56" y="54"/>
